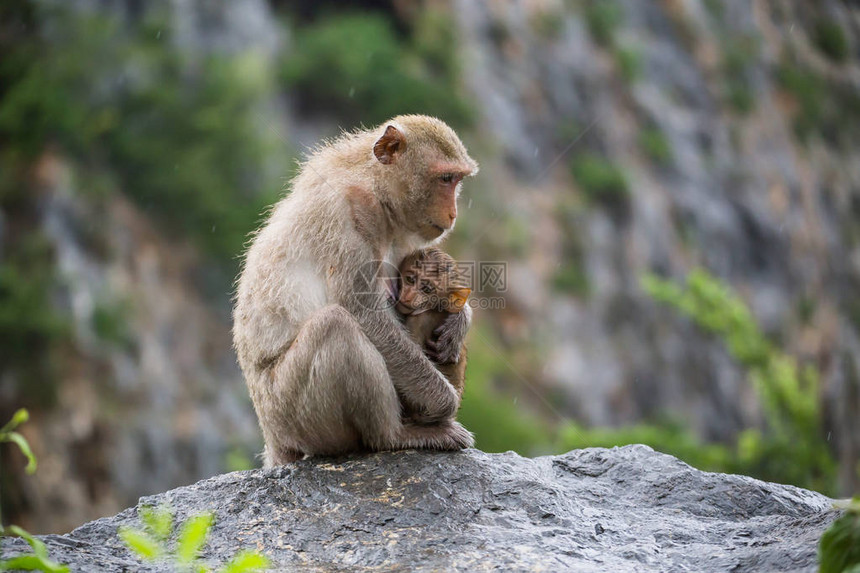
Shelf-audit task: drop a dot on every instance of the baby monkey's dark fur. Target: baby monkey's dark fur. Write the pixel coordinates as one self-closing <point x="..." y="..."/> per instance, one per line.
<point x="431" y="290"/>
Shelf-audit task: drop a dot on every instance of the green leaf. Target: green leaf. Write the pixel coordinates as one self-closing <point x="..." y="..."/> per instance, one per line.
<point x="37" y="545"/>
<point x="157" y="520"/>
<point x="18" y="418"/>
<point x="193" y="536"/>
<point x="32" y="563"/>
<point x="39" y="561"/>
<point x="839" y="548"/>
<point x="25" y="449"/>
<point x="140" y="543"/>
<point x="247" y="562"/>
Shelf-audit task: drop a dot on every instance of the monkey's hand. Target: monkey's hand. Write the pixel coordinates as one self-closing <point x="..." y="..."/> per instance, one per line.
<point x="447" y="341"/>
<point x="442" y="391"/>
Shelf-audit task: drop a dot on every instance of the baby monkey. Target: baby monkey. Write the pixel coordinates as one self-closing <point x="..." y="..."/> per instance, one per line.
<point x="431" y="290"/>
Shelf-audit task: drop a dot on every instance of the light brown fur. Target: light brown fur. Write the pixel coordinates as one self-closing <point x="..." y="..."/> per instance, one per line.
<point x="326" y="361"/>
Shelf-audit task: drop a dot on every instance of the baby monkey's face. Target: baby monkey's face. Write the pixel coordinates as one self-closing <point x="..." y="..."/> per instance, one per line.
<point x="429" y="281"/>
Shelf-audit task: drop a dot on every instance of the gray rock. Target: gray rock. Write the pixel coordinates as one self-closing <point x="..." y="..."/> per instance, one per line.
<point x="625" y="509"/>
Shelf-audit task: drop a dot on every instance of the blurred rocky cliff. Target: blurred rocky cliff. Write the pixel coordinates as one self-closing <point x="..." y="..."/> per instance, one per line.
<point x="140" y="142"/>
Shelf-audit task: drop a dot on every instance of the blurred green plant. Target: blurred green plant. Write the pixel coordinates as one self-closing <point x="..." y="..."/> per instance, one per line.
<point x="716" y="9"/>
<point x="547" y="23"/>
<point x="830" y="38"/>
<point x="664" y="436"/>
<point x="603" y="18"/>
<point x="601" y="181"/>
<point x="237" y="459"/>
<point x="498" y="423"/>
<point x="738" y="55"/>
<point x="152" y="542"/>
<point x="839" y="548"/>
<point x="571" y="278"/>
<point x="355" y="66"/>
<point x="629" y="63"/>
<point x="824" y="107"/>
<point x="29" y="324"/>
<point x="38" y="560"/>
<point x="110" y="322"/>
<point x="8" y="434"/>
<point x="655" y="145"/>
<point x="793" y="449"/>
<point x="809" y="91"/>
<point x="181" y="134"/>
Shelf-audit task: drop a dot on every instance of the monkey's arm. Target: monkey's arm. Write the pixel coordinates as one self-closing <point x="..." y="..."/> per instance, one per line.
<point x="456" y="373"/>
<point x="420" y="328"/>
<point x="421" y="387"/>
<point x="448" y="339"/>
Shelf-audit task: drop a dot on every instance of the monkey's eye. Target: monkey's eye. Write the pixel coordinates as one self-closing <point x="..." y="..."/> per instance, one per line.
<point x="410" y="279"/>
<point x="426" y="288"/>
<point x="447" y="177"/>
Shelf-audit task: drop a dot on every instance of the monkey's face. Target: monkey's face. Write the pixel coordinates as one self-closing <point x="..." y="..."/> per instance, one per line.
<point x="430" y="283"/>
<point x="437" y="200"/>
<point x="429" y="162"/>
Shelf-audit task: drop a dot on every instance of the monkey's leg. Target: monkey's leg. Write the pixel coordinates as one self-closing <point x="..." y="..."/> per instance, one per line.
<point x="336" y="395"/>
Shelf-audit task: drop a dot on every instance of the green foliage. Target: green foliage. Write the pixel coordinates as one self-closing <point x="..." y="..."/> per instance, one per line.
<point x="600" y="180"/>
<point x="809" y="90"/>
<point x="434" y="43"/>
<point x="716" y="9"/>
<point x="355" y="66"/>
<point x="246" y="562"/>
<point x="141" y="543"/>
<point x="182" y="135"/>
<point x="629" y="63"/>
<point x="110" y="323"/>
<point x="498" y="424"/>
<point x="740" y="96"/>
<point x="830" y="38"/>
<point x="8" y="434"/>
<point x="571" y="278"/>
<point x="152" y="542"/>
<point x="737" y="55"/>
<point x="839" y="548"/>
<point x="158" y="521"/>
<point x="237" y="459"/>
<point x="824" y="108"/>
<point x="603" y="18"/>
<point x="193" y="535"/>
<point x="655" y="145"/>
<point x="547" y="24"/>
<point x="793" y="449"/>
<point x="38" y="560"/>
<point x="516" y="238"/>
<point x="670" y="438"/>
<point x="29" y="324"/>
<point x="194" y="153"/>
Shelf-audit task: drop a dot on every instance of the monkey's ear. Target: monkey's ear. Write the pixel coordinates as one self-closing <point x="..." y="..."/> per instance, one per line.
<point x="391" y="145"/>
<point x="457" y="298"/>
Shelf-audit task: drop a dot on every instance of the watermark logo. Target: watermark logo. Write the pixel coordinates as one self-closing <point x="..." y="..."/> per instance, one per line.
<point x="379" y="285"/>
<point x="494" y="276"/>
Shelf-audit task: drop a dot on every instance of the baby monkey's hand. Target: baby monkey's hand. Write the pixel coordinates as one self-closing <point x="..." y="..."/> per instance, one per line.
<point x="447" y="341"/>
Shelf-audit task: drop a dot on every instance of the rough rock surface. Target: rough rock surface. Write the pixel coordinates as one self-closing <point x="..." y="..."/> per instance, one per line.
<point x="625" y="509"/>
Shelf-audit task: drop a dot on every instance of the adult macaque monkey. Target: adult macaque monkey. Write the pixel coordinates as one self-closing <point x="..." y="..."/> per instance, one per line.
<point x="326" y="361"/>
